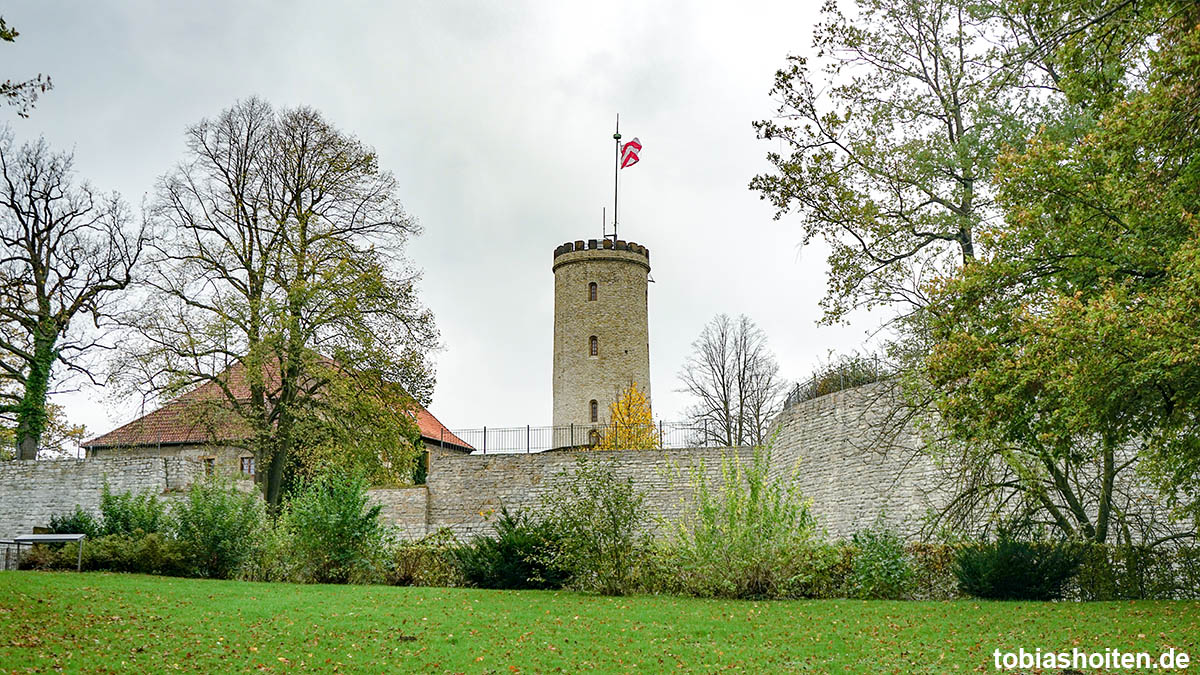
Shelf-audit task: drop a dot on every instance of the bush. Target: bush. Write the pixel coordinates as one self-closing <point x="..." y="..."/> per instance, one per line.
<point x="431" y="561"/>
<point x="76" y="522"/>
<point x="933" y="571"/>
<point x="520" y="555"/>
<point x="821" y="571"/>
<point x="845" y="372"/>
<point x="141" y="553"/>
<point x="217" y="527"/>
<point x="127" y="513"/>
<point x="881" y="569"/>
<point x="747" y="534"/>
<point x="1008" y="569"/>
<point x="1132" y="572"/>
<point x="597" y="519"/>
<point x="337" y="536"/>
<point x="274" y="556"/>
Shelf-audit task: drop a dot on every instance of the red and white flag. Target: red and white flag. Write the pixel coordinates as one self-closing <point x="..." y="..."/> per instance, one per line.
<point x="629" y="153"/>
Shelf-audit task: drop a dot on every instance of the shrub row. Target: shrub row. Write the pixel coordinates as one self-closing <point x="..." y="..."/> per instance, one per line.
<point x="915" y="571"/>
<point x="752" y="537"/>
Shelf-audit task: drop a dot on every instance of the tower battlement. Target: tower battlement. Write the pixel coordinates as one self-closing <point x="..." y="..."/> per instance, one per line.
<point x="602" y="245"/>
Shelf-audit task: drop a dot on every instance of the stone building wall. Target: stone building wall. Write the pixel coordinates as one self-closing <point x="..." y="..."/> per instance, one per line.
<point x="225" y="459"/>
<point x="32" y="491"/>
<point x="617" y="317"/>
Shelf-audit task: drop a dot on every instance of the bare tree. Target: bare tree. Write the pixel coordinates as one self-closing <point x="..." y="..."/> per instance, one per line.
<point x="66" y="253"/>
<point x="734" y="378"/>
<point x="282" y="286"/>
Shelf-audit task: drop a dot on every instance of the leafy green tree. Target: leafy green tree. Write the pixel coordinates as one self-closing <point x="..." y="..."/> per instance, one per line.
<point x="66" y="254"/>
<point x="1067" y="354"/>
<point x="281" y="281"/>
<point x="887" y="152"/>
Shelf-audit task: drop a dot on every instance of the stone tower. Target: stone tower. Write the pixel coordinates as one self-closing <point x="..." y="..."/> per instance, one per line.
<point x="601" y="332"/>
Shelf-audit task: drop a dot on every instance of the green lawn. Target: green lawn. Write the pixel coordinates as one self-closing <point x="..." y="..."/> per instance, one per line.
<point x="107" y="622"/>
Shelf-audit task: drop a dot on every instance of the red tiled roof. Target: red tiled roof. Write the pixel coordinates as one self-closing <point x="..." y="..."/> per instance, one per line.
<point x="179" y="421"/>
<point x="434" y="432"/>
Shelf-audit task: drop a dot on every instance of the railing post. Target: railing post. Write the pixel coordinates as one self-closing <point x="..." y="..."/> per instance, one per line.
<point x="572" y="434"/>
<point x="527" y="439"/>
<point x="485" y="440"/>
<point x="661" y="442"/>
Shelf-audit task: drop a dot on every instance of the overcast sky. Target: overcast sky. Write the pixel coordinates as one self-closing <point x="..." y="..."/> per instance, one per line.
<point x="497" y="120"/>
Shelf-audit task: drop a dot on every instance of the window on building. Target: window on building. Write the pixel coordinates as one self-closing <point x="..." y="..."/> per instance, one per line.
<point x="594" y="408"/>
<point x="248" y="466"/>
<point x="591" y="291"/>
<point x="210" y="465"/>
<point x="594" y="346"/>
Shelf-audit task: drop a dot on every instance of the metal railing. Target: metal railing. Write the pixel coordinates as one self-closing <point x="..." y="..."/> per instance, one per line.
<point x="846" y="374"/>
<point x="528" y="439"/>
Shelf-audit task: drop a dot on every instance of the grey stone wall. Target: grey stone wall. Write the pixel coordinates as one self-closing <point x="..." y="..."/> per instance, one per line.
<point x="855" y="466"/>
<point x="861" y="466"/>
<point x="843" y="450"/>
<point x="33" y="491"/>
<point x="406" y="509"/>
<point x="226" y="459"/>
<point x="466" y="491"/>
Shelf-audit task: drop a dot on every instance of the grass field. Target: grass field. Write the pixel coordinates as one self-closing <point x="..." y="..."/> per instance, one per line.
<point x="108" y="622"/>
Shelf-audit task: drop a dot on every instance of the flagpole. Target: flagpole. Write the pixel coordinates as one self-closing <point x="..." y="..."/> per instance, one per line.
<point x="616" y="172"/>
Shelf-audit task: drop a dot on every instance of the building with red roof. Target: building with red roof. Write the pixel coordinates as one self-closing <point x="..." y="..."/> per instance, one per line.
<point x="186" y="427"/>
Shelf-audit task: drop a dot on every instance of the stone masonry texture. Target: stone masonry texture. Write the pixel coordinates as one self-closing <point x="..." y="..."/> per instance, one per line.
<point x="836" y="448"/>
<point x="856" y="472"/>
<point x="618" y="319"/>
<point x="467" y="491"/>
<point x="407" y="509"/>
<point x="32" y="491"/>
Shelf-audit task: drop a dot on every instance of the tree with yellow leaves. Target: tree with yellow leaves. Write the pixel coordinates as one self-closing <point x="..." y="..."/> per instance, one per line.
<point x="631" y="424"/>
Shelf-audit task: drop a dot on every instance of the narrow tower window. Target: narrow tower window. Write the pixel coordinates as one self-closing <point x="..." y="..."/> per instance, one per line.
<point x="594" y="346"/>
<point x="591" y="291"/>
<point x="595" y="410"/>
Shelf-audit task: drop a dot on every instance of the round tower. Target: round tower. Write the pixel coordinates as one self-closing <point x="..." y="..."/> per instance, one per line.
<point x="601" y="332"/>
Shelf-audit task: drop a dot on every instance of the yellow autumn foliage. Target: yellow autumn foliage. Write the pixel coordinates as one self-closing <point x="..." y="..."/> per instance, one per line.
<point x="631" y="423"/>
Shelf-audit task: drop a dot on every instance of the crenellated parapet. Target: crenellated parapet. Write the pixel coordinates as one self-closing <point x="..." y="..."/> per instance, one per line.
<point x="602" y="245"/>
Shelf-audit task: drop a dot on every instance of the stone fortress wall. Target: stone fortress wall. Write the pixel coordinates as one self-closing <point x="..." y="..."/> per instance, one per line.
<point x="859" y="470"/>
<point x="833" y="447"/>
<point x="829" y="437"/>
<point x="32" y="491"/>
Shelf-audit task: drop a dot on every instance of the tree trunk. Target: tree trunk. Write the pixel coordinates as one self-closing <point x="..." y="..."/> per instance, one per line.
<point x="31" y="416"/>
<point x="273" y="487"/>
